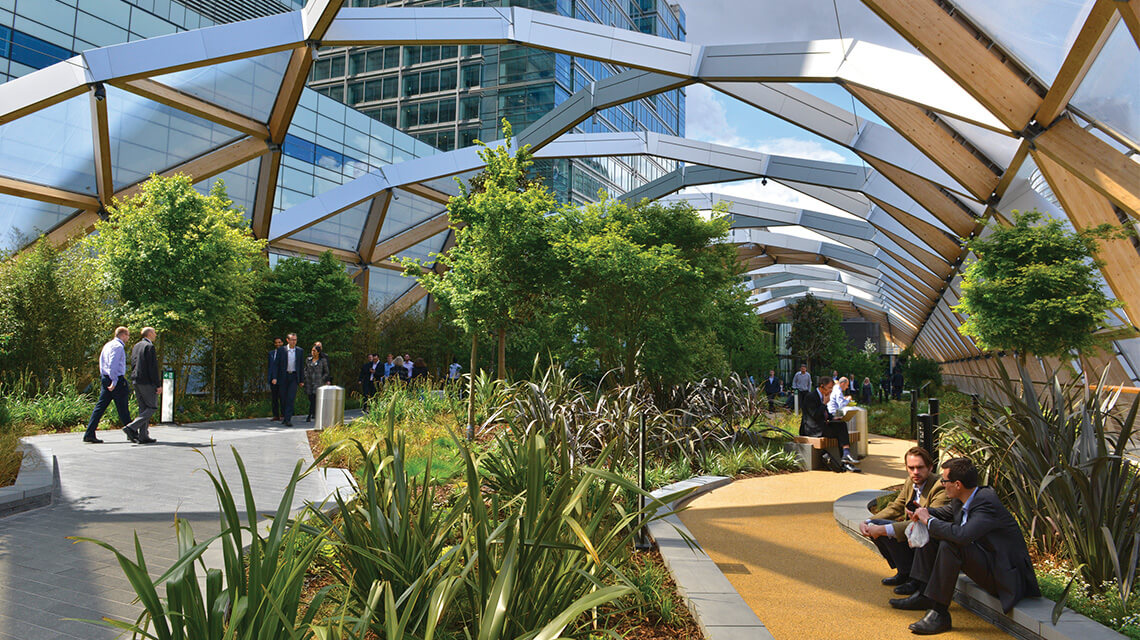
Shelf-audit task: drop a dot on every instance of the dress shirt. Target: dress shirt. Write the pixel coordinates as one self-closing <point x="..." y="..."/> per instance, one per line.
<point x="290" y="360"/>
<point x="917" y="494"/>
<point x="113" y="359"/>
<point x="838" y="402"/>
<point x="801" y="381"/>
<point x="966" y="505"/>
<point x="388" y="369"/>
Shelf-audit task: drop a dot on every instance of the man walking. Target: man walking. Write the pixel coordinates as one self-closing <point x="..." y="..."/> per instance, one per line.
<point x="271" y="377"/>
<point x="367" y="387"/>
<point x="290" y="364"/>
<point x="144" y="373"/>
<point x="772" y="389"/>
<point x="801" y="383"/>
<point x="112" y="383"/>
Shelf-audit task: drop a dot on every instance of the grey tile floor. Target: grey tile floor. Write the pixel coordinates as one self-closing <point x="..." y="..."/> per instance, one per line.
<point x="115" y="490"/>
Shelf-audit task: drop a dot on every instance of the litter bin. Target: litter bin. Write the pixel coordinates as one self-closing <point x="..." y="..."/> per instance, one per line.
<point x="330" y="406"/>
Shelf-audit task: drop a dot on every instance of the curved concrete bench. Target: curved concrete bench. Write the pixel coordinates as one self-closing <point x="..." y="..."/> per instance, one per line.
<point x="716" y="606"/>
<point x="1031" y="618"/>
<point x="34" y="484"/>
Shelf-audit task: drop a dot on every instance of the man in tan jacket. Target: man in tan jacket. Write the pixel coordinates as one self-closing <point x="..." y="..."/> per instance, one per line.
<point x="887" y="528"/>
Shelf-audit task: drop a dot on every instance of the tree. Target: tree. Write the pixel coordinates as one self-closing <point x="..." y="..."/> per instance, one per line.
<point x="317" y="301"/>
<point x="52" y="316"/>
<point x="499" y="273"/>
<point x="648" y="286"/>
<point x="1033" y="288"/>
<point x="180" y="261"/>
<point x="816" y="331"/>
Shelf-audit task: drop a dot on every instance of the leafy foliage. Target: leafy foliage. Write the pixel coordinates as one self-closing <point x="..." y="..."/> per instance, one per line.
<point x="1033" y="288"/>
<point x="317" y="301"/>
<point x="816" y="331"/>
<point x="919" y="370"/>
<point x="52" y="317"/>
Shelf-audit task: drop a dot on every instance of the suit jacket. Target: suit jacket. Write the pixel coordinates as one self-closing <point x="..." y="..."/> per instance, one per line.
<point x="815" y="414"/>
<point x="365" y="374"/>
<point x="271" y="366"/>
<point x="144" y="364"/>
<point x="991" y="527"/>
<point x="299" y="359"/>
<point x="933" y="496"/>
<point x="771" y="386"/>
<point x="316" y="373"/>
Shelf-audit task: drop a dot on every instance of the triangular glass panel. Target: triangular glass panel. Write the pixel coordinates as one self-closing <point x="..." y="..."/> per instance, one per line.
<point x="52" y="146"/>
<point x="423" y="250"/>
<point x="23" y="220"/>
<point x="1109" y="92"/>
<point x="341" y="231"/>
<point x="385" y="286"/>
<point x="406" y="211"/>
<point x="241" y="185"/>
<point x="148" y="137"/>
<point x="248" y="86"/>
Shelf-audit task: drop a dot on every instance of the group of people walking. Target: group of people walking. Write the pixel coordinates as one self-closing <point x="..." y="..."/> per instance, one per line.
<point x="289" y="369"/>
<point x="375" y="372"/>
<point x="113" y="385"/>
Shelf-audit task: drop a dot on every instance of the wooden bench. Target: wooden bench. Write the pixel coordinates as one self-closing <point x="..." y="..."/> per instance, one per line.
<point x="810" y="449"/>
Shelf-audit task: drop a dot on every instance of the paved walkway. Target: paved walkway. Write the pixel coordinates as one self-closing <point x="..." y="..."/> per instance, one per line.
<point x="802" y="576"/>
<point x="112" y="490"/>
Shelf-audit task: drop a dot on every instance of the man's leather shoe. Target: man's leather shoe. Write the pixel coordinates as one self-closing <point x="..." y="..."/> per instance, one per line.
<point x="147" y="440"/>
<point x="914" y="602"/>
<point x="907" y="588"/>
<point x="287" y="423"/>
<point x="132" y="435"/>
<point x="849" y="459"/>
<point x="92" y="441"/>
<point x="896" y="580"/>
<point x="847" y="466"/>
<point x="931" y="623"/>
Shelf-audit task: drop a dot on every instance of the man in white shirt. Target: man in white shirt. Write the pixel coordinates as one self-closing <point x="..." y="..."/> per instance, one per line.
<point x="112" y="383"/>
<point x="837" y="403"/>
<point x="290" y="369"/>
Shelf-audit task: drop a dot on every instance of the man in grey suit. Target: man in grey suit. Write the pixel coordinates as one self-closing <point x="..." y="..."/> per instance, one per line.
<point x="974" y="534"/>
<point x="148" y="384"/>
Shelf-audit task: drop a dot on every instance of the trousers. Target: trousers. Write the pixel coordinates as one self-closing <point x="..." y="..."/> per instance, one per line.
<point x="147" y="397"/>
<point x="120" y="396"/>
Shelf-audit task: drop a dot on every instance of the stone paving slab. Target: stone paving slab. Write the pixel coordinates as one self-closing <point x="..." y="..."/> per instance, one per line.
<point x="117" y="489"/>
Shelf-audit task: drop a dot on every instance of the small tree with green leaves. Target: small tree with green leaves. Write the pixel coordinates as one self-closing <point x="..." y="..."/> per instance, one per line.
<point x="816" y="332"/>
<point x="1033" y="288"/>
<point x="180" y="261"/>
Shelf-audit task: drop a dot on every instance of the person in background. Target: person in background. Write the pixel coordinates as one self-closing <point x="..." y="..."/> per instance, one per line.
<point x="316" y="373"/>
<point x="328" y="367"/>
<point x="839" y="399"/>
<point x="897" y="384"/>
<point x="816" y="422"/>
<point x="367" y="387"/>
<point x="772" y="389"/>
<point x="419" y="369"/>
<point x="112" y="384"/>
<point x="868" y="391"/>
<point x="270" y="376"/>
<point x="398" y="371"/>
<point x="453" y="369"/>
<point x="388" y="366"/>
<point x="801" y="383"/>
<point x="408" y="365"/>
<point x="290" y="374"/>
<point x="148" y="384"/>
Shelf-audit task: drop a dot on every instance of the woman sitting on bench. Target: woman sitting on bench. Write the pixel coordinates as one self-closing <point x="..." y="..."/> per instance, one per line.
<point x="815" y="422"/>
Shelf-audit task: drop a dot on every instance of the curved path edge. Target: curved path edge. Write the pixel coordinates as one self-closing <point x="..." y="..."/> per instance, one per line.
<point x="35" y="482"/>
<point x="718" y="609"/>
<point x="1030" y="619"/>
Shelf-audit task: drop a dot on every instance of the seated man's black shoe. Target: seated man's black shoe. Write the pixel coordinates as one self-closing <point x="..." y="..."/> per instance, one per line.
<point x="908" y="587"/>
<point x="896" y="580"/>
<point x="849" y="459"/>
<point x="92" y="441"/>
<point x="932" y="623"/>
<point x="914" y="602"/>
<point x="132" y="435"/>
<point x="850" y="467"/>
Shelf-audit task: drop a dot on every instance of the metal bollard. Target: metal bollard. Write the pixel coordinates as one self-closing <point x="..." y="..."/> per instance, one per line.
<point x="926" y="435"/>
<point x="913" y="414"/>
<point x="330" y="406"/>
<point x="935" y="425"/>
<point x="643" y="543"/>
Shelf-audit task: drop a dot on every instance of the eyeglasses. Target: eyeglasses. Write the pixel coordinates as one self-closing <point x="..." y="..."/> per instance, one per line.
<point x="945" y="481"/>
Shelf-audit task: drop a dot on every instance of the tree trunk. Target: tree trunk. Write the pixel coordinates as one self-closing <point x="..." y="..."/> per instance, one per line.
<point x="214" y="374"/>
<point x="471" y="387"/>
<point x="502" y="353"/>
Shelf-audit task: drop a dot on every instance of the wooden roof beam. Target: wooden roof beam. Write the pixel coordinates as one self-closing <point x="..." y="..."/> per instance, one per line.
<point x="1108" y="171"/>
<point x="1097" y="28"/>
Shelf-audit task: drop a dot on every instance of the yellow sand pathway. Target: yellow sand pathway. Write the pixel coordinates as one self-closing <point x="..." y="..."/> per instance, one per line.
<point x="805" y="577"/>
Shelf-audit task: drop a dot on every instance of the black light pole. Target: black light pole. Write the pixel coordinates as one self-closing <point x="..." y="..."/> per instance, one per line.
<point x="642" y="530"/>
<point x="932" y="449"/>
<point x="914" y="413"/>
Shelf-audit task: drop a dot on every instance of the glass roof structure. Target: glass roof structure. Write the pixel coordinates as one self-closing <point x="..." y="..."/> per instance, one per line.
<point x="979" y="109"/>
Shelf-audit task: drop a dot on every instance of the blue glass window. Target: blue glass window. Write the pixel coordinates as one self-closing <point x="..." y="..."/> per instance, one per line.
<point x="34" y="52"/>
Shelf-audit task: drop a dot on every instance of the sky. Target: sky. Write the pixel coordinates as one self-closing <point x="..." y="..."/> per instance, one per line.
<point x="714" y="117"/>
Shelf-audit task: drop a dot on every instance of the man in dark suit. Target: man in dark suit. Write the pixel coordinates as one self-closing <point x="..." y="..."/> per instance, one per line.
<point x="367" y="387"/>
<point x="887" y="527"/>
<point x="815" y="422"/>
<point x="290" y="368"/>
<point x="772" y="389"/>
<point x="148" y="384"/>
<point x="271" y="377"/>
<point x="974" y="534"/>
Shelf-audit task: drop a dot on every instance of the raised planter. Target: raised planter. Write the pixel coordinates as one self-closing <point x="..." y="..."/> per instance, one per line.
<point x="34" y="484"/>
<point x="1031" y="618"/>
<point x="716" y="606"/>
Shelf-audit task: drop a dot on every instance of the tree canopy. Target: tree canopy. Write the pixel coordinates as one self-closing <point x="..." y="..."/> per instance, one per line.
<point x="314" y="299"/>
<point x="1033" y="287"/>
<point x="816" y="332"/>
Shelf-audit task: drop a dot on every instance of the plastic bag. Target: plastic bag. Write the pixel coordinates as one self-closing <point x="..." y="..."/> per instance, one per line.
<point x="917" y="535"/>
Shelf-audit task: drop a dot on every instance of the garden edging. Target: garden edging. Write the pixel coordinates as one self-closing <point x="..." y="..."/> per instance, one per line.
<point x="1031" y="618"/>
<point x="718" y="609"/>
<point x="34" y="484"/>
